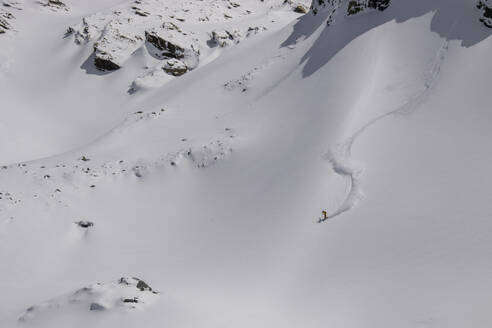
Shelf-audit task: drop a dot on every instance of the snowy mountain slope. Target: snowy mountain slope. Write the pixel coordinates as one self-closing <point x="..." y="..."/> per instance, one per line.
<point x="228" y="233"/>
<point x="84" y="89"/>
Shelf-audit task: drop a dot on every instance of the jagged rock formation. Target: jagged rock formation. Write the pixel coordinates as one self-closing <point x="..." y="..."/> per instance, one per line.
<point x="4" y="21"/>
<point x="123" y="295"/>
<point x="6" y="15"/>
<point x="54" y="5"/>
<point x="228" y="37"/>
<point x="352" y="6"/>
<point x="120" y="33"/>
<point x="175" y="36"/>
<point x="172" y="42"/>
<point x="486" y="7"/>
<point x="224" y="38"/>
<point x="378" y="4"/>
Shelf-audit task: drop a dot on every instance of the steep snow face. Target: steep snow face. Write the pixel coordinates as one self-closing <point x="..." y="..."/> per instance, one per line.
<point x="209" y="186"/>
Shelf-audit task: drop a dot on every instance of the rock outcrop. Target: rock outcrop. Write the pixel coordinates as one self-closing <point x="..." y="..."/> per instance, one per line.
<point x="175" y="67"/>
<point x="486" y="7"/>
<point x="224" y="38"/>
<point x="4" y="22"/>
<point x="352" y="7"/>
<point x="173" y="35"/>
<point x="229" y="37"/>
<point x="123" y="295"/>
<point x="6" y="16"/>
<point x="54" y="5"/>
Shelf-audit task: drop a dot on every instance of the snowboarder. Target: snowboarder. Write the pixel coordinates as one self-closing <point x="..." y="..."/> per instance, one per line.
<point x="325" y="215"/>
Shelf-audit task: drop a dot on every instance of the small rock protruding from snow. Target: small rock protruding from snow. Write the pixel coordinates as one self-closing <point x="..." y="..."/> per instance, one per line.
<point x="89" y="28"/>
<point x="174" y="67"/>
<point x="84" y="224"/>
<point x="300" y="9"/>
<point x="124" y="295"/>
<point x="225" y="38"/>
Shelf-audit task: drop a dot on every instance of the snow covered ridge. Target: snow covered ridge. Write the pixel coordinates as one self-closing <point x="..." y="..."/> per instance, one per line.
<point x="52" y="183"/>
<point x="124" y="295"/>
<point x="177" y="30"/>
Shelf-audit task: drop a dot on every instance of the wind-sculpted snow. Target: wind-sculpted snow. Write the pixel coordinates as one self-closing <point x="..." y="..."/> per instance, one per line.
<point x="124" y="295"/>
<point x="51" y="183"/>
<point x="341" y="156"/>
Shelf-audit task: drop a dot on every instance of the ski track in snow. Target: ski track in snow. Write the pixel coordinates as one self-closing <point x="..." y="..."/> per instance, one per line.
<point x="340" y="156"/>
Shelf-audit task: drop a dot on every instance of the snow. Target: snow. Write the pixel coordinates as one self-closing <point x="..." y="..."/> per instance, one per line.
<point x="209" y="185"/>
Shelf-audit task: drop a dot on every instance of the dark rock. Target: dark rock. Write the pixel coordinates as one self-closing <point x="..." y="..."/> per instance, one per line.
<point x="85" y="224"/>
<point x="4" y="24"/>
<point x="56" y="3"/>
<point x="97" y="307"/>
<point x="300" y="9"/>
<point x="105" y="64"/>
<point x="486" y="18"/>
<point x="170" y="49"/>
<point x="123" y="281"/>
<point x="142" y="285"/>
<point x="130" y="300"/>
<point x="354" y="7"/>
<point x="378" y="4"/>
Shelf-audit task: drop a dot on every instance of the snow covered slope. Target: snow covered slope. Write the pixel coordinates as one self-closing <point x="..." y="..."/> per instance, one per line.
<point x="208" y="186"/>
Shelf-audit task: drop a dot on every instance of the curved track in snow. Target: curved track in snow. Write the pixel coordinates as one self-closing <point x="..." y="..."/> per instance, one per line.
<point x="340" y="156"/>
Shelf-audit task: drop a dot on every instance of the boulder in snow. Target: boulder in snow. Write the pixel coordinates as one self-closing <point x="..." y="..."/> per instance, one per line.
<point x="225" y="38"/>
<point x="174" y="67"/>
<point x="117" y="43"/>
